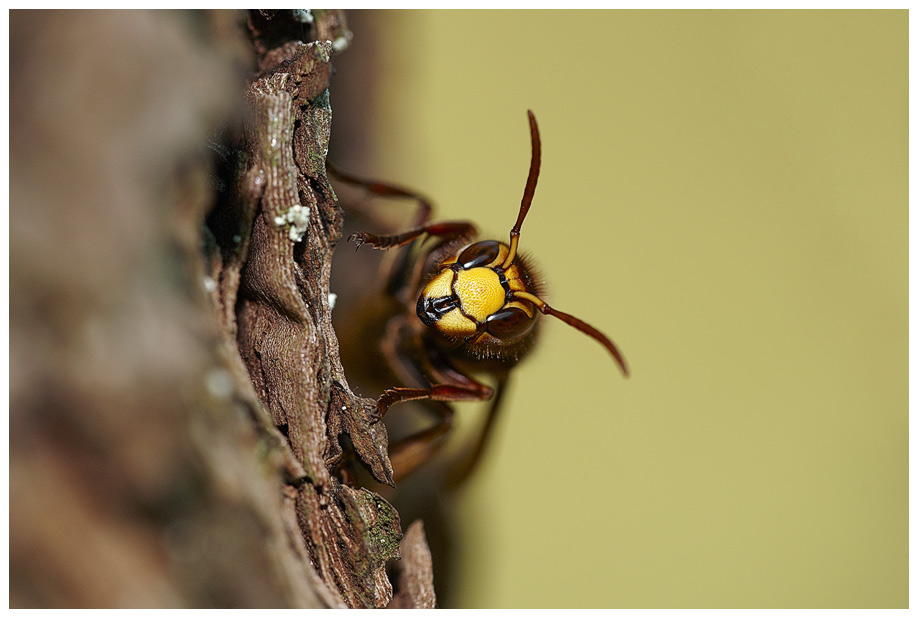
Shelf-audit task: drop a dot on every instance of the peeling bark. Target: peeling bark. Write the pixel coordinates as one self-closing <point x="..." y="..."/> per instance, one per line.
<point x="415" y="572"/>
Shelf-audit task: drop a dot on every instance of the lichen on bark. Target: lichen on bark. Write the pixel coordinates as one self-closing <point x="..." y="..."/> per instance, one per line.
<point x="284" y="330"/>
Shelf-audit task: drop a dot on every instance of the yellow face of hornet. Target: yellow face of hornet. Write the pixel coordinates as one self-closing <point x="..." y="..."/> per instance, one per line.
<point x="470" y="297"/>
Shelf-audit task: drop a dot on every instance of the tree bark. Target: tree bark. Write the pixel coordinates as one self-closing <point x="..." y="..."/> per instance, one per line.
<point x="175" y="413"/>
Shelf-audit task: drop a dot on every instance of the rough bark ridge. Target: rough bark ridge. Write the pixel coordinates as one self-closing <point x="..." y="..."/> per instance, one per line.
<point x="174" y="421"/>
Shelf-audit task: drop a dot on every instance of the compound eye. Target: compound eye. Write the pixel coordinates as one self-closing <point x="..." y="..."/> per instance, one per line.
<point x="479" y="254"/>
<point x="510" y="323"/>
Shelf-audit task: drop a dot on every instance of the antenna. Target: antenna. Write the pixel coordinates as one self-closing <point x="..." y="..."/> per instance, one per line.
<point x="534" y="164"/>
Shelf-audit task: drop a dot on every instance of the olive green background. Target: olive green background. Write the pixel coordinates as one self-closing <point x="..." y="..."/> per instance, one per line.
<point x="725" y="194"/>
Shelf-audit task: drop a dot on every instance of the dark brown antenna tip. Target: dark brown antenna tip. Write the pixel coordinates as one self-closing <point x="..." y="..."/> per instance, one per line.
<point x="535" y="163"/>
<point x="579" y="324"/>
<point x="592" y="332"/>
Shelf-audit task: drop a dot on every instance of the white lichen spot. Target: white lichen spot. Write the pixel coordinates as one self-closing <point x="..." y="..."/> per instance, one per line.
<point x="209" y="284"/>
<point x="237" y="238"/>
<point x="332" y="299"/>
<point x="219" y="383"/>
<point x="298" y="220"/>
<point x="304" y="16"/>
<point x="341" y="43"/>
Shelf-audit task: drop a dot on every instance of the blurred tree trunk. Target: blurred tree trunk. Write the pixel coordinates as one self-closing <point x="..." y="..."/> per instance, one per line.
<point x="176" y="392"/>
